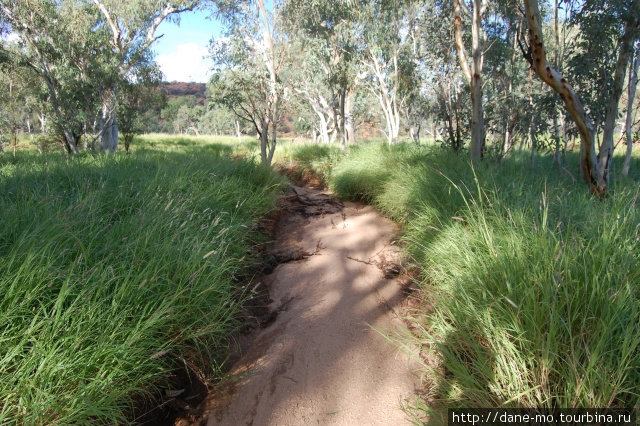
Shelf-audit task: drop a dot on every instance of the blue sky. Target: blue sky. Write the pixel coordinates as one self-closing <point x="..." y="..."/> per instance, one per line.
<point x="180" y="52"/>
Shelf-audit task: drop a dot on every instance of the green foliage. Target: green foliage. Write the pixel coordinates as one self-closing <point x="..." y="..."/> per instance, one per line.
<point x="114" y="268"/>
<point x="600" y="26"/>
<point x="533" y="282"/>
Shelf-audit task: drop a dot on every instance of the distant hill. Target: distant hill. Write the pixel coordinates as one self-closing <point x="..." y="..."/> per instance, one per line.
<point x="177" y="89"/>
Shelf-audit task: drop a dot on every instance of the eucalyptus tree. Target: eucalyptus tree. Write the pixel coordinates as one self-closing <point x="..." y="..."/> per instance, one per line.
<point x="13" y="92"/>
<point x="390" y="56"/>
<point x="137" y="99"/>
<point x="326" y="32"/>
<point x="472" y="70"/>
<point x="440" y="74"/>
<point x="631" y="94"/>
<point x="56" y="41"/>
<point x="84" y="51"/>
<point x="315" y="91"/>
<point x="627" y="15"/>
<point x="588" y="160"/>
<point x="382" y="41"/>
<point x="606" y="31"/>
<point x="249" y="64"/>
<point x="132" y="30"/>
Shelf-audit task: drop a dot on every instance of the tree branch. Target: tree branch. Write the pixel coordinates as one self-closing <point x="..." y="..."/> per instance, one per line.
<point x="115" y="30"/>
<point x="588" y="160"/>
<point x="462" y="53"/>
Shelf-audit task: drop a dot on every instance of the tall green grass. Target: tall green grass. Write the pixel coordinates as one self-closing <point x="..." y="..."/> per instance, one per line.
<point x="113" y="268"/>
<point x="535" y="284"/>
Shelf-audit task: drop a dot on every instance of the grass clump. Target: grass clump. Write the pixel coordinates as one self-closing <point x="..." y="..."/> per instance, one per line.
<point x="535" y="283"/>
<point x="301" y="161"/>
<point x="114" y="267"/>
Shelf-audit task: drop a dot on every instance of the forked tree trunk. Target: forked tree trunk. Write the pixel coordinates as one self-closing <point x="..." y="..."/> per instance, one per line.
<point x="588" y="159"/>
<point x="387" y="96"/>
<point x="633" y="84"/>
<point x="267" y="144"/>
<point x="626" y="48"/>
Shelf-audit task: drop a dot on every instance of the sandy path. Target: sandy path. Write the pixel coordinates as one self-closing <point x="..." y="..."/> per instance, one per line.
<point x="320" y="361"/>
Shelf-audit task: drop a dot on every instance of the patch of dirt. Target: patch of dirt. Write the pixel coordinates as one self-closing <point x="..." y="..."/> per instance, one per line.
<point x="314" y="351"/>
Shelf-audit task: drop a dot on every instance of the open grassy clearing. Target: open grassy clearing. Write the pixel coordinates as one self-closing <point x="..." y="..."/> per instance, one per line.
<point x="115" y="268"/>
<point x="535" y="283"/>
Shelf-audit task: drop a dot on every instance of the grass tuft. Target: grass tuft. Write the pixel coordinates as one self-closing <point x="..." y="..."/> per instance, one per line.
<point x="535" y="283"/>
<point x="114" y="267"/>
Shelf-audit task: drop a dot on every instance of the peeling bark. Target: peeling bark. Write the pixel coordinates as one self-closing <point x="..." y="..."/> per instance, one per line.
<point x="588" y="160"/>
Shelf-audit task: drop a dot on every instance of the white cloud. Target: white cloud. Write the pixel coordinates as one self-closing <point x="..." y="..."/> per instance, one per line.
<point x="185" y="63"/>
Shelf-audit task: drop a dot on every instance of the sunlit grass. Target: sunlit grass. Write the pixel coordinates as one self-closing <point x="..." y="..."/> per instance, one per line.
<point x="534" y="282"/>
<point x="113" y="268"/>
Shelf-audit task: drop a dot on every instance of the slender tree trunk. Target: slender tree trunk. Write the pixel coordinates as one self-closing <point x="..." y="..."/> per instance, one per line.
<point x="633" y="84"/>
<point x="532" y="122"/>
<point x="238" y="135"/>
<point x="556" y="64"/>
<point x="274" y="98"/>
<point x="588" y="159"/>
<point x="27" y="122"/>
<point x="348" y="117"/>
<point x="473" y="74"/>
<point x="128" y="138"/>
<point x="477" y="119"/>
<point x="565" y="140"/>
<point x="341" y="126"/>
<point x="606" y="148"/>
<point x="435" y="131"/>
<point x="387" y="97"/>
<point x="263" y="134"/>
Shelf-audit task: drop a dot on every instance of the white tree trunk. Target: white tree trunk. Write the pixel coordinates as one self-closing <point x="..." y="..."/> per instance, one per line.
<point x="387" y="96"/>
<point x="473" y="74"/>
<point x="606" y="149"/>
<point x="323" y="126"/>
<point x="349" y="127"/>
<point x="108" y="127"/>
<point x="269" y="55"/>
<point x="633" y="84"/>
